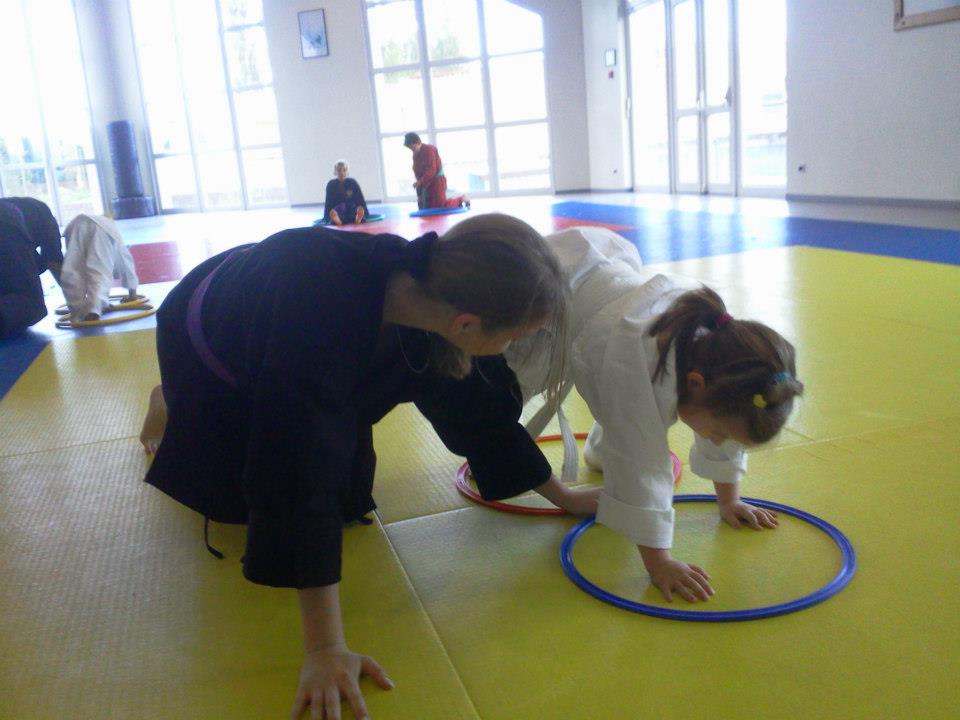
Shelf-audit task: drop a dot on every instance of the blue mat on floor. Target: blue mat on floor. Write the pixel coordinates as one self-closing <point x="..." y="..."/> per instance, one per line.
<point x="367" y="219"/>
<point x="663" y="235"/>
<point x="438" y="211"/>
<point x="16" y="354"/>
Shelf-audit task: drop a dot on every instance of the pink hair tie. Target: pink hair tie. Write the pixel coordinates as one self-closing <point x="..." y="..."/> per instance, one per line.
<point x="723" y="319"/>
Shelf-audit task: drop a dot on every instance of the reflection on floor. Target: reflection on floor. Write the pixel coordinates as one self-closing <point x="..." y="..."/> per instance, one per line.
<point x="111" y="606"/>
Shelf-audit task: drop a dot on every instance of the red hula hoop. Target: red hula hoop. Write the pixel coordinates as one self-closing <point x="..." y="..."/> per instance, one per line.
<point x="468" y="492"/>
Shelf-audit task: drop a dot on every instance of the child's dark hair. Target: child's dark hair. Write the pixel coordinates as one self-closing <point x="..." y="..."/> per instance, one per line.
<point x="749" y="369"/>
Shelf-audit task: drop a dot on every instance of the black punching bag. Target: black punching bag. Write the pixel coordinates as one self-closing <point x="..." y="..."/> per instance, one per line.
<point x="130" y="201"/>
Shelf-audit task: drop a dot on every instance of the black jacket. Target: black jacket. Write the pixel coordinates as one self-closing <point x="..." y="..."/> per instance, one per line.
<point x="297" y="322"/>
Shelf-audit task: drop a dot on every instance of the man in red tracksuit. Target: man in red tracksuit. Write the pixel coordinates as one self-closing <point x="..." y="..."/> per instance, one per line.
<point x="431" y="183"/>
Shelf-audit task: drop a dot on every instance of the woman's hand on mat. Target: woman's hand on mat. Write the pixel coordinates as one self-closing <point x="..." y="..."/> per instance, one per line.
<point x="671" y="576"/>
<point x="331" y="673"/>
<point x="575" y="502"/>
<point x="737" y="513"/>
<point x="582" y="501"/>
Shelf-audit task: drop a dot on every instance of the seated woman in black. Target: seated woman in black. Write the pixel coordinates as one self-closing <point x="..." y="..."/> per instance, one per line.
<point x="25" y="224"/>
<point x="344" y="203"/>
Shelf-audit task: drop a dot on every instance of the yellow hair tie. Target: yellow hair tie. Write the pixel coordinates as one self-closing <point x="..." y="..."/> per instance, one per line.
<point x="759" y="402"/>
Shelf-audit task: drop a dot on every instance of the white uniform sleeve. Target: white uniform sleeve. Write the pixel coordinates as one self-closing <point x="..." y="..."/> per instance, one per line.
<point x="725" y="463"/>
<point x="637" y="497"/>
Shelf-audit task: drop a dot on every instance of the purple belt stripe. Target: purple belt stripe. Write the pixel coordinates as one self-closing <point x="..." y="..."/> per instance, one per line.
<point x="195" y="326"/>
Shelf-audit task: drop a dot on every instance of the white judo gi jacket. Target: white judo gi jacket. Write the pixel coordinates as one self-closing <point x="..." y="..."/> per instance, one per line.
<point x="95" y="256"/>
<point x="612" y="360"/>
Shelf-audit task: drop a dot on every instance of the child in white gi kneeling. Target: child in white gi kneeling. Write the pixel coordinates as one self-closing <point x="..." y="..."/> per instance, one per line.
<point x="96" y="255"/>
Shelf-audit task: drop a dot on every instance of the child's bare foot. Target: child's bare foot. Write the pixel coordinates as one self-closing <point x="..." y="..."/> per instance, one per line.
<point x="358" y="216"/>
<point x="335" y="218"/>
<point x="155" y="422"/>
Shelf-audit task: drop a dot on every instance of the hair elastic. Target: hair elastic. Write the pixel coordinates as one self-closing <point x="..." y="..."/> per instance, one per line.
<point x="759" y="401"/>
<point x="723" y="319"/>
<point x="781" y="376"/>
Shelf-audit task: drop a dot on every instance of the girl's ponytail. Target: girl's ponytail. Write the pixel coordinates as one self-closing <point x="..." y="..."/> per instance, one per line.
<point x="692" y="311"/>
<point x="749" y="369"/>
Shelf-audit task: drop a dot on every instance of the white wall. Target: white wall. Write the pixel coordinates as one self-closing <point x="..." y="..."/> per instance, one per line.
<point x="871" y="112"/>
<point x="566" y="90"/>
<point x="609" y="138"/>
<point x="325" y="104"/>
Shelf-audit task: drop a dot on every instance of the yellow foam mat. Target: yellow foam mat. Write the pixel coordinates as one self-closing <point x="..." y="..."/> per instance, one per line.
<point x="111" y="606"/>
<point x="870" y="332"/>
<point x="833" y="282"/>
<point x="79" y="391"/>
<point x="886" y="646"/>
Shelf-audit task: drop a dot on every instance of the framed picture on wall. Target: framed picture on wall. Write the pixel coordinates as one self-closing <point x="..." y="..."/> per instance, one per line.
<point x="313" y="34"/>
<point x="916" y="13"/>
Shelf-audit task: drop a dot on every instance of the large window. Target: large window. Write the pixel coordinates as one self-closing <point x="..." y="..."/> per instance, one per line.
<point x="46" y="143"/>
<point x="211" y="111"/>
<point x="468" y="76"/>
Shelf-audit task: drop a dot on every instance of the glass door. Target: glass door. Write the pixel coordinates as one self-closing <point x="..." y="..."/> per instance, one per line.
<point x="649" y="101"/>
<point x="708" y="95"/>
<point x="703" y="96"/>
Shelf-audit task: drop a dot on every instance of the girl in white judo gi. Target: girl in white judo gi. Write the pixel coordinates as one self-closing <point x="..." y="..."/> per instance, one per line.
<point x="645" y="350"/>
<point x="95" y="256"/>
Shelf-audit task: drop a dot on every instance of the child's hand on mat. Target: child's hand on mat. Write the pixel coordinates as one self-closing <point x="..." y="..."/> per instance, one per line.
<point x="738" y="512"/>
<point x="691" y="582"/>
<point x="331" y="673"/>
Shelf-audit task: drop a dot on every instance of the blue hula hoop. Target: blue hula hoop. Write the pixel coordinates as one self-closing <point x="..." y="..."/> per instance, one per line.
<point x="842" y="578"/>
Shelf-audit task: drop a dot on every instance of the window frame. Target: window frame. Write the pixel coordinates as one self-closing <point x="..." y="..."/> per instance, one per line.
<point x="430" y="132"/>
<point x="48" y="165"/>
<point x="237" y="147"/>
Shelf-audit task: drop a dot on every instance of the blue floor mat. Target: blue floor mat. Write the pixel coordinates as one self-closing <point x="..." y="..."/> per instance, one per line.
<point x="664" y="235"/>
